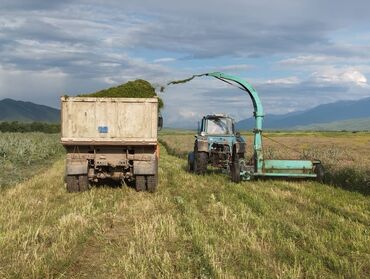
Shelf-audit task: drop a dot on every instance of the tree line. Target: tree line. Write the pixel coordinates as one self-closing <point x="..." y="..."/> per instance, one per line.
<point x="20" y="127"/>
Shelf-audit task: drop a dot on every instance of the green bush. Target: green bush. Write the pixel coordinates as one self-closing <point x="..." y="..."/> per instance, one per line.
<point x="19" y="127"/>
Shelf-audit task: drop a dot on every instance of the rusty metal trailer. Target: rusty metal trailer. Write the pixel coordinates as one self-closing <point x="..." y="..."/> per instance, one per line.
<point x="110" y="138"/>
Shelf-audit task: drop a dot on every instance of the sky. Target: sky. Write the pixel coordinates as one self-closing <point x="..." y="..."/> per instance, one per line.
<point x="297" y="54"/>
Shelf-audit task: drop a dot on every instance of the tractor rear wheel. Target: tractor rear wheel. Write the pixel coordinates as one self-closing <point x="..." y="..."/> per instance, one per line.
<point x="235" y="168"/>
<point x="200" y="162"/>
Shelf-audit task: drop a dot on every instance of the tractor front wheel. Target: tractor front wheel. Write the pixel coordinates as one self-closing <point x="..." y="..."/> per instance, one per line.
<point x="191" y="162"/>
<point x="200" y="162"/>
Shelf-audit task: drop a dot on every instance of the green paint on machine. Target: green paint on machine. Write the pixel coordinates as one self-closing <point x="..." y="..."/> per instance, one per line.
<point x="287" y="164"/>
<point x="262" y="167"/>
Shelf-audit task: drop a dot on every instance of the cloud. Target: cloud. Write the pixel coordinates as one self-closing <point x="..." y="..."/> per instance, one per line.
<point x="197" y="32"/>
<point x="297" y="54"/>
<point x="309" y="60"/>
<point x="25" y="85"/>
<point x="214" y="40"/>
<point x="164" y="60"/>
<point x="234" y="68"/>
<point x="31" y="4"/>
<point x="188" y="114"/>
<point x="336" y="76"/>
<point x="286" y="80"/>
<point x="325" y="86"/>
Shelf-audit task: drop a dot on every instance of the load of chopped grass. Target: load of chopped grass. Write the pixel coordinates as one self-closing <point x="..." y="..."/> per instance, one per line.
<point x="133" y="89"/>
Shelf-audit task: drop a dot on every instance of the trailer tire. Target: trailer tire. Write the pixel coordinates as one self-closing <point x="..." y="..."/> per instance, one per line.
<point x="72" y="183"/>
<point x="83" y="183"/>
<point x="320" y="172"/>
<point x="140" y="183"/>
<point x="152" y="182"/>
<point x="200" y="162"/>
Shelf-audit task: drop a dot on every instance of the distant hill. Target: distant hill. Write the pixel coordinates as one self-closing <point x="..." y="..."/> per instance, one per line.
<point x="357" y="124"/>
<point x="327" y="113"/>
<point x="11" y="110"/>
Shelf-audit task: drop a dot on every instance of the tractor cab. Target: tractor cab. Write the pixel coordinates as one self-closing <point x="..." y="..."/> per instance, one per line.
<point x="217" y="124"/>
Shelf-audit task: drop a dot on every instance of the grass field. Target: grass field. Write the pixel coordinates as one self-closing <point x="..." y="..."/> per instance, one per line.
<point x="23" y="155"/>
<point x="345" y="155"/>
<point x="192" y="227"/>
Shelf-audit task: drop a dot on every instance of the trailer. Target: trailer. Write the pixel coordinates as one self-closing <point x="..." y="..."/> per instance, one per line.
<point x="110" y="139"/>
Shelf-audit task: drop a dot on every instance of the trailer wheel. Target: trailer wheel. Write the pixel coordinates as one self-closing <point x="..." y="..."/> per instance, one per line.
<point x="140" y="184"/>
<point x="152" y="182"/>
<point x="83" y="183"/>
<point x="72" y="183"/>
<point x="235" y="168"/>
<point x="200" y="162"/>
<point x="320" y="172"/>
<point x="191" y="162"/>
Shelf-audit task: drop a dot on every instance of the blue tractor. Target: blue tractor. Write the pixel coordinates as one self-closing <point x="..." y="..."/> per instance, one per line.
<point x="219" y="145"/>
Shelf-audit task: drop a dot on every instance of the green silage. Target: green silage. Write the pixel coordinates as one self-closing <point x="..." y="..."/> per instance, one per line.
<point x="133" y="89"/>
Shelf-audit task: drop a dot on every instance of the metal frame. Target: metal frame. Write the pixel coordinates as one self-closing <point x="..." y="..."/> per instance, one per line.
<point x="276" y="168"/>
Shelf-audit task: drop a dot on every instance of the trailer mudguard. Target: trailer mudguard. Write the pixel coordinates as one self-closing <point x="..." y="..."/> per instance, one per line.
<point x="145" y="167"/>
<point x="76" y="166"/>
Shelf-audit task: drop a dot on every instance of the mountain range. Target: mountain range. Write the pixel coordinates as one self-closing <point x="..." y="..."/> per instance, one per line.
<point x="11" y="110"/>
<point x="340" y="114"/>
